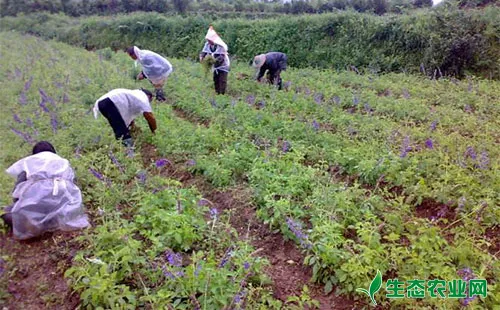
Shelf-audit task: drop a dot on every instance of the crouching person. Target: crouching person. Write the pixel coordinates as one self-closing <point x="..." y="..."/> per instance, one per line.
<point x="45" y="195"/>
<point x="273" y="63"/>
<point x="121" y="106"/>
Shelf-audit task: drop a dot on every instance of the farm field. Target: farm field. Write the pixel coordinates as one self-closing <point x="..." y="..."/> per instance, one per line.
<point x="258" y="199"/>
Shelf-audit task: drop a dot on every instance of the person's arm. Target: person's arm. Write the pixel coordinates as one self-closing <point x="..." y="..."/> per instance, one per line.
<point x="151" y="120"/>
<point x="261" y="73"/>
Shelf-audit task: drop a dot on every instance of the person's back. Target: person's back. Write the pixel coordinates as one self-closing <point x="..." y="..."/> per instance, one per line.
<point x="47" y="199"/>
<point x="121" y="106"/>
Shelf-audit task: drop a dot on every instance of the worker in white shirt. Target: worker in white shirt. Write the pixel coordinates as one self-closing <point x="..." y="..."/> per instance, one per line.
<point x="121" y="106"/>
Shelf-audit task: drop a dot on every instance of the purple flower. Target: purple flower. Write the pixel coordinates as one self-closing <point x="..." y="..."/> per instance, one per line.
<point x="246" y="265"/>
<point x="191" y="163"/>
<point x="22" y="99"/>
<point x="468" y="108"/>
<point x="29" y="122"/>
<point x="53" y="122"/>
<point x="467" y="300"/>
<point x="315" y="125"/>
<point x="26" y="137"/>
<point x="65" y="98"/>
<point x="213" y="213"/>
<point x="286" y="147"/>
<point x="261" y="104"/>
<point x="162" y="162"/>
<point x="197" y="270"/>
<point x="484" y="160"/>
<point x="202" y="202"/>
<point x="16" y="118"/>
<point x="470" y="152"/>
<point x="250" y="99"/>
<point x="226" y="257"/>
<point x="429" y="144"/>
<point x="307" y="91"/>
<point x="433" y="125"/>
<point x="44" y="106"/>
<point x="96" y="173"/>
<point x="18" y="72"/>
<point x="174" y="259"/>
<point x="336" y="99"/>
<point x="27" y="85"/>
<point x="405" y="147"/>
<point x="115" y="161"/>
<point x="239" y="297"/>
<point x="296" y="229"/>
<point x="45" y="97"/>
<point x="368" y="108"/>
<point x="355" y="100"/>
<point x="142" y="176"/>
<point x="58" y="85"/>
<point x="318" y="98"/>
<point x="87" y="80"/>
<point x="406" y="94"/>
<point x="466" y="274"/>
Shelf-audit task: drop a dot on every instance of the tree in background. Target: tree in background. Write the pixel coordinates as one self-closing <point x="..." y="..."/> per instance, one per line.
<point x="422" y="3"/>
<point x="181" y="6"/>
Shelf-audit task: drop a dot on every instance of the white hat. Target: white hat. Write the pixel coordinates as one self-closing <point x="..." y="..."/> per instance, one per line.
<point x="214" y="37"/>
<point x="259" y="60"/>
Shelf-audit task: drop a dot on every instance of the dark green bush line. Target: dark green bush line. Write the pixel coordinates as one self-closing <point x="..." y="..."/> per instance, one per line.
<point x="442" y="41"/>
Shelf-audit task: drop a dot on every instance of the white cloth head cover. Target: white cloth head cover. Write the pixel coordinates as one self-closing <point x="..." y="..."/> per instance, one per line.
<point x="259" y="60"/>
<point x="214" y="37"/>
<point x="48" y="200"/>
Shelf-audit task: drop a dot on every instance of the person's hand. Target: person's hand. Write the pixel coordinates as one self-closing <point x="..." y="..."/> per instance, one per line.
<point x="140" y="76"/>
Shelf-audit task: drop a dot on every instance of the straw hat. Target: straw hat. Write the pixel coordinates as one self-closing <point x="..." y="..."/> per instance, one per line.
<point x="259" y="60"/>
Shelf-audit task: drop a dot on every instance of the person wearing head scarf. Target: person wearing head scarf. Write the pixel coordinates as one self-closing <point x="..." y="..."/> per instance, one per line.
<point x="274" y="63"/>
<point x="155" y="68"/>
<point x="45" y="197"/>
<point x="215" y="47"/>
<point x="121" y="106"/>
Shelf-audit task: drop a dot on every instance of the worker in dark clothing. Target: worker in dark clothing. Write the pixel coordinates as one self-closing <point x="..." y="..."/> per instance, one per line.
<point x="274" y="63"/>
<point x="216" y="48"/>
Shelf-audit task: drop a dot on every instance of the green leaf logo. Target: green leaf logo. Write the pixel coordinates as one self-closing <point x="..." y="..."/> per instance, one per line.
<point x="374" y="287"/>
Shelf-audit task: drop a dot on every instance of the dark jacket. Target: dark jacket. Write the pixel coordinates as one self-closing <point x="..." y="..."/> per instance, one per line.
<point x="275" y="61"/>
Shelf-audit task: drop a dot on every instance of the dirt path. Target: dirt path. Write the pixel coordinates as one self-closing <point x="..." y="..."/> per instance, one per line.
<point x="32" y="272"/>
<point x="286" y="270"/>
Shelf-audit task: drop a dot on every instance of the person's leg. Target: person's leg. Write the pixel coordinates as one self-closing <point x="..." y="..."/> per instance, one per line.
<point x="216" y="82"/>
<point x="222" y="82"/>
<point x="111" y="113"/>
<point x="160" y="95"/>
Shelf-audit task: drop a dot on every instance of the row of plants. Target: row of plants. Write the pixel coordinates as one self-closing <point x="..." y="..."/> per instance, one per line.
<point x="348" y="230"/>
<point x="153" y="242"/>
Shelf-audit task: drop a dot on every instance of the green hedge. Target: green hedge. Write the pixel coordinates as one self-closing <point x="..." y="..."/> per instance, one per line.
<point x="445" y="40"/>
